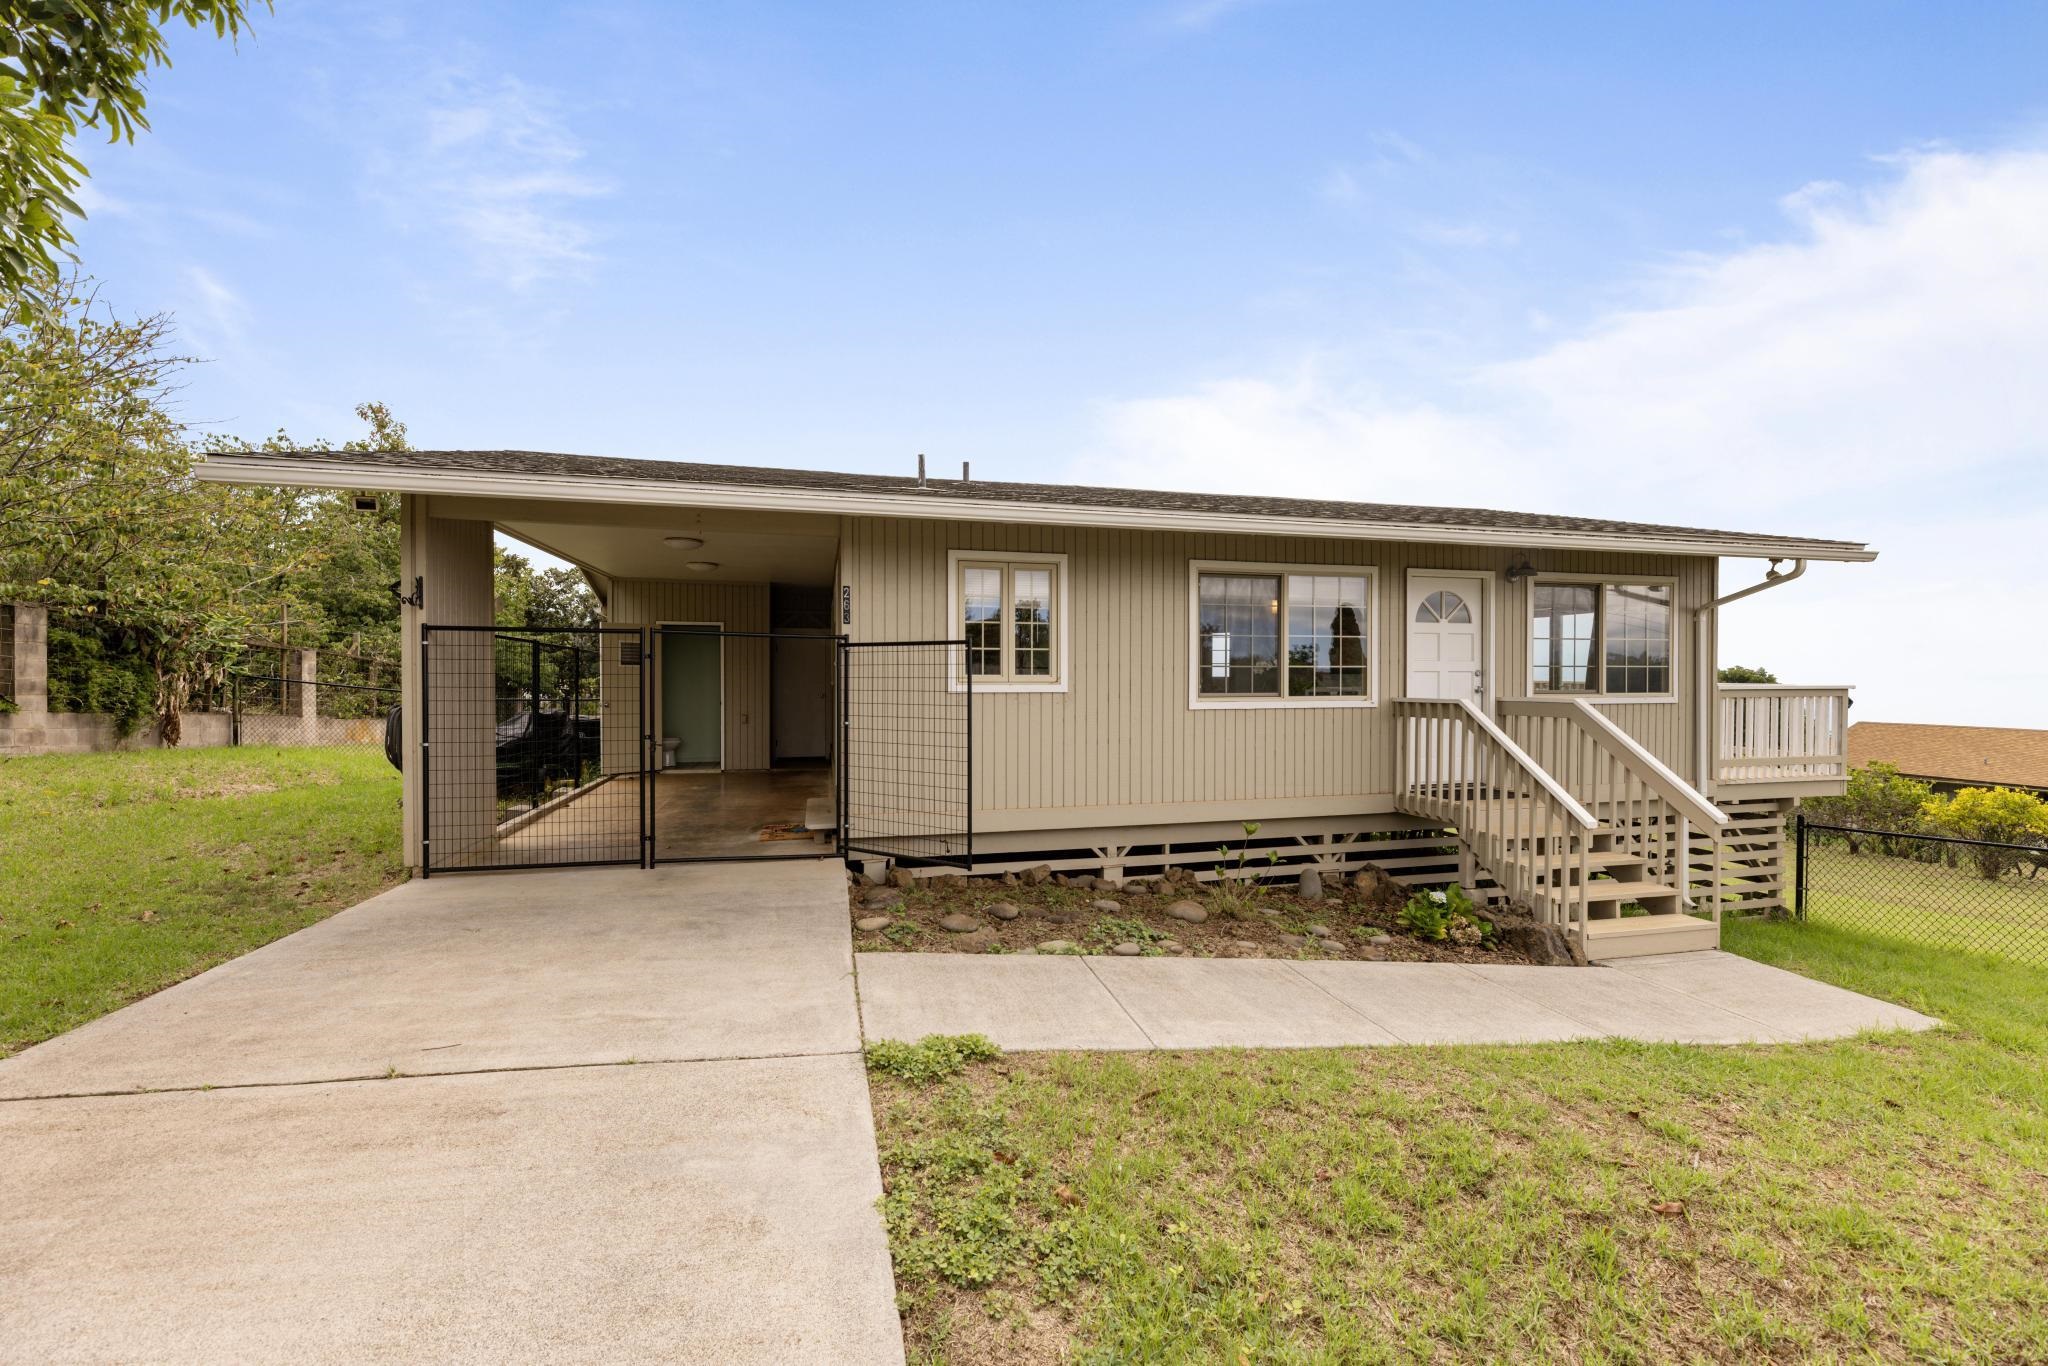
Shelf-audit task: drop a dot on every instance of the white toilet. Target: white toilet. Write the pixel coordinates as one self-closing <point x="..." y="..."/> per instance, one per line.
<point x="669" y="745"/>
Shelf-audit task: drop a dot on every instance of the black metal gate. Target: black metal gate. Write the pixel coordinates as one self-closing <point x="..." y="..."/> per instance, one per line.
<point x="906" y="751"/>
<point x="535" y="747"/>
<point x="544" y="747"/>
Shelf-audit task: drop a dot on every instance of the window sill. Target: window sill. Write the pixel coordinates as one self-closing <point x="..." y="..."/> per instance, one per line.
<point x="980" y="688"/>
<point x="1280" y="703"/>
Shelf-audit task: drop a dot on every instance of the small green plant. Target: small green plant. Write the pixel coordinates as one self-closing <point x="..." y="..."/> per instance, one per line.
<point x="932" y="1058"/>
<point x="1115" y="929"/>
<point x="1243" y="853"/>
<point x="1446" y="915"/>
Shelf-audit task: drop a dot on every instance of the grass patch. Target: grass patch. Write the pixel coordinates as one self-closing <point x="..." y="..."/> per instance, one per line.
<point x="932" y="1058"/>
<point x="1926" y="902"/>
<point x="124" y="873"/>
<point x="1882" y="1196"/>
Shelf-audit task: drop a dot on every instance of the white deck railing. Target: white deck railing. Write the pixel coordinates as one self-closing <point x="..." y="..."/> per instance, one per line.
<point x="1512" y="818"/>
<point x="1779" y="732"/>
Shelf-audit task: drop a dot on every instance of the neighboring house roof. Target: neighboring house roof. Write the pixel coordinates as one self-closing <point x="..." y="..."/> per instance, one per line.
<point x="1978" y="756"/>
<point x="606" y="479"/>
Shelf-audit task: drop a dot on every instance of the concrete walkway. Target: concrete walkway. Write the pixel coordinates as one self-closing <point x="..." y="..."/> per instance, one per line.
<point x="1031" y="1002"/>
<point x="517" y="1192"/>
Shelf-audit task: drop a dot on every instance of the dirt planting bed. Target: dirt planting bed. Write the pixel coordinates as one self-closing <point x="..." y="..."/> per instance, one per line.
<point x="1042" y="912"/>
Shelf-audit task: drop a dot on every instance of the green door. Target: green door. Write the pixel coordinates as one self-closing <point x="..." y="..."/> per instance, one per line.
<point x="690" y="702"/>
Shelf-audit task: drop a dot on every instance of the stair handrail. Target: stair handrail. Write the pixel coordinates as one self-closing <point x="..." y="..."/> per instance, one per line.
<point x="1520" y="757"/>
<point x="1514" y="821"/>
<point x="1656" y="774"/>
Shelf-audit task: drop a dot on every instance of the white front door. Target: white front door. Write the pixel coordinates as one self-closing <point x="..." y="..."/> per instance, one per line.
<point x="1447" y="637"/>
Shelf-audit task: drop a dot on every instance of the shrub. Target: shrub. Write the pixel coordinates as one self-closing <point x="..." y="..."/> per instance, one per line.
<point x="1744" y="673"/>
<point x="1996" y="814"/>
<point x="932" y="1058"/>
<point x="1448" y="914"/>
<point x="1880" y="798"/>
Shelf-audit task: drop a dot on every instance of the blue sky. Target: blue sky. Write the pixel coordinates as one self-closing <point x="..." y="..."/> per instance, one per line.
<point x="1766" y="266"/>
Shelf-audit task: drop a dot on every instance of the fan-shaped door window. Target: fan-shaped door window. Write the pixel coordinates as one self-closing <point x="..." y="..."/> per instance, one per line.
<point x="1444" y="607"/>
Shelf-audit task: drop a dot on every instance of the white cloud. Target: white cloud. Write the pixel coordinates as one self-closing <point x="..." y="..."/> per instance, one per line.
<point x="1877" y="373"/>
<point x="218" y="316"/>
<point x="493" y="163"/>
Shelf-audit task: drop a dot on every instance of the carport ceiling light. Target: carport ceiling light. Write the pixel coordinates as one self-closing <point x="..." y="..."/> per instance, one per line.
<point x="682" y="542"/>
<point x="701" y="566"/>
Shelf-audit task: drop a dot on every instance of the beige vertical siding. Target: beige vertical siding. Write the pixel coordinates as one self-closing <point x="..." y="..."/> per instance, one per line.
<point x="454" y="561"/>
<point x="736" y="607"/>
<point x="1123" y="746"/>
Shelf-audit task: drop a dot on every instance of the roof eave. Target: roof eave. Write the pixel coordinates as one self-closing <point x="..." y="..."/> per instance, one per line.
<point x="276" y="469"/>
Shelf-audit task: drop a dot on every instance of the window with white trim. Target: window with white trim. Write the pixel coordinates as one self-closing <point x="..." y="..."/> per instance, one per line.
<point x="1008" y="614"/>
<point x="1281" y="636"/>
<point x="1606" y="639"/>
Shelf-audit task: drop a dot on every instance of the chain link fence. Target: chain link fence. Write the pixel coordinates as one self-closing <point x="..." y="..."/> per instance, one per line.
<point x="1972" y="895"/>
<point x="270" y="709"/>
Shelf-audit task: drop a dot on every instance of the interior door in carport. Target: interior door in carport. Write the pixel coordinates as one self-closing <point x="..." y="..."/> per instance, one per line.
<point x="690" y="702"/>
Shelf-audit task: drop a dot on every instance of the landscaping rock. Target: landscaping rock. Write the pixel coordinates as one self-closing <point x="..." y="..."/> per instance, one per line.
<point x="1003" y="910"/>
<point x="1034" y="877"/>
<point x="881" y="898"/>
<point x="1056" y="946"/>
<point x="1309" y="886"/>
<point x="901" y="879"/>
<point x="1127" y="950"/>
<point x="1544" y="945"/>
<point x="1062" y="915"/>
<point x="959" y="924"/>
<point x="1188" y="911"/>
<point x="1373" y="955"/>
<point x="1320" y="931"/>
<point x="1380" y="938"/>
<point x="1330" y="945"/>
<point x="872" y="923"/>
<point x="1244" y="946"/>
<point x="981" y="941"/>
<point x="1172" y="946"/>
<point x="1379" y="887"/>
<point x="1107" y="907"/>
<point x="1082" y="880"/>
<point x="1294" y="941"/>
<point x="1011" y="879"/>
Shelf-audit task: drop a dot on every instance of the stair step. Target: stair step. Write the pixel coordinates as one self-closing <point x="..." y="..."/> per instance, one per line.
<point x="1637" y="935"/>
<point x="1616" y="890"/>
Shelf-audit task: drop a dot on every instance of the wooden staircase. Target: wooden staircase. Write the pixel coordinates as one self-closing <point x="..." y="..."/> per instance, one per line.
<point x="1597" y="840"/>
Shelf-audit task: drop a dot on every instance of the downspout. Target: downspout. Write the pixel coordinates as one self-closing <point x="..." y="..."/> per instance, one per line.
<point x="1703" y="728"/>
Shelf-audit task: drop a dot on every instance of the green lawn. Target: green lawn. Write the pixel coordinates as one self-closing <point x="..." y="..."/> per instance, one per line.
<point x="123" y="873"/>
<point x="1928" y="903"/>
<point x="1881" y="1197"/>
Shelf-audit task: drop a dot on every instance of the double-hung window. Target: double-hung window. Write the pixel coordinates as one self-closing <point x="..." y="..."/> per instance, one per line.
<point x="1010" y="610"/>
<point x="1600" y="638"/>
<point x="1277" y="636"/>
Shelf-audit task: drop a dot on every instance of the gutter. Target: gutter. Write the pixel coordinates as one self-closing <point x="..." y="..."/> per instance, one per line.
<point x="1710" y="696"/>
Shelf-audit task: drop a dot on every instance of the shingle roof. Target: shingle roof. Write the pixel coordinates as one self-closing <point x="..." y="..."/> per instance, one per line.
<point x="1980" y="756"/>
<point x="551" y="465"/>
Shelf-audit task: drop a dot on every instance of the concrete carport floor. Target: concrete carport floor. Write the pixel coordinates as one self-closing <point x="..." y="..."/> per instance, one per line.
<point x="410" y="1131"/>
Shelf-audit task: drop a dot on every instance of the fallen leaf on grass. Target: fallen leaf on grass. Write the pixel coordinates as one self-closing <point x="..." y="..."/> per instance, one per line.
<point x="1667" y="1207"/>
<point x="1065" y="1195"/>
<point x="147" y="914"/>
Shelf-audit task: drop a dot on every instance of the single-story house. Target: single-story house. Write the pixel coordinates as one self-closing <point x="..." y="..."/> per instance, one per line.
<point x="940" y="673"/>
<point x="1952" y="757"/>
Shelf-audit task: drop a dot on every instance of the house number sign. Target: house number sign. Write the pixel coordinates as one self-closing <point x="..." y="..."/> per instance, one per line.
<point x="846" y="604"/>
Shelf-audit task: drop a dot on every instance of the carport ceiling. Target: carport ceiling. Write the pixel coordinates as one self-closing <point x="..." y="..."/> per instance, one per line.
<point x="628" y="542"/>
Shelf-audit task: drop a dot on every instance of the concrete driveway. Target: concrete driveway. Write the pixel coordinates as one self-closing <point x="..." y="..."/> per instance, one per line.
<point x="561" y="1116"/>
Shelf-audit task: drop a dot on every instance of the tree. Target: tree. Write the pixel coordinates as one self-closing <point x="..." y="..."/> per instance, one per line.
<point x="1880" y="800"/>
<point x="1998" y="815"/>
<point x="87" y="440"/>
<point x="66" y="65"/>
<point x="1743" y="673"/>
<point x="350" y="602"/>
